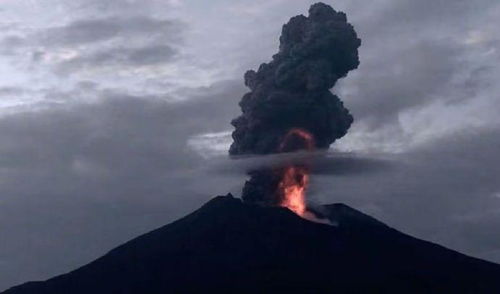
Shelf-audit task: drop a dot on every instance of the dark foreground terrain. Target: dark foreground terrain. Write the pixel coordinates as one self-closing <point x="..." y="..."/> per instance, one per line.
<point x="230" y="247"/>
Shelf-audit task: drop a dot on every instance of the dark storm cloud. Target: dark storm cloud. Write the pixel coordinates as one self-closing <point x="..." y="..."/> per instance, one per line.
<point x="122" y="134"/>
<point x="80" y="178"/>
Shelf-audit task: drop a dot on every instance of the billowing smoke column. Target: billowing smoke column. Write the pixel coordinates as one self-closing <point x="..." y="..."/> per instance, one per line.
<point x="290" y="106"/>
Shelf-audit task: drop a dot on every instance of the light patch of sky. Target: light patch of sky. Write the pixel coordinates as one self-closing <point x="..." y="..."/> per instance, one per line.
<point x="33" y="13"/>
<point x="21" y="18"/>
<point x="25" y="19"/>
<point x="210" y="145"/>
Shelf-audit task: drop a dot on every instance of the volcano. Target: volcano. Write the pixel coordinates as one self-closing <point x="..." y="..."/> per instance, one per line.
<point x="228" y="246"/>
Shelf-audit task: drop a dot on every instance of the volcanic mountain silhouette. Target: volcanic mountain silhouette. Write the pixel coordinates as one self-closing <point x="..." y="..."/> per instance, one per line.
<point x="231" y="247"/>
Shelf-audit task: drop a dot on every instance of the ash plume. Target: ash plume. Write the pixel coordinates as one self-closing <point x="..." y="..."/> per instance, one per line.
<point x="293" y="92"/>
<point x="293" y="89"/>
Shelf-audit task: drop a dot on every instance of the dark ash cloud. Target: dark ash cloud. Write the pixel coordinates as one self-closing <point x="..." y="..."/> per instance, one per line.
<point x="292" y="91"/>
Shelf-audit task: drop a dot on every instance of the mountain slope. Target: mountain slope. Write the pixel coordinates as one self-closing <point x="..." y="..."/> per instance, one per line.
<point x="230" y="247"/>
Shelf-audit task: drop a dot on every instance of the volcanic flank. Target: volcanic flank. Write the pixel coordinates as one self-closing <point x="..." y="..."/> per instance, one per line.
<point x="290" y="106"/>
<point x="228" y="246"/>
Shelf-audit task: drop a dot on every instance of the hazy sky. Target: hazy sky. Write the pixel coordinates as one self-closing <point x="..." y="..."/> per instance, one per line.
<point x="114" y="114"/>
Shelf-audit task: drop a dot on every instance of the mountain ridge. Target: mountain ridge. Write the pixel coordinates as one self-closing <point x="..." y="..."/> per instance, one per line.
<point x="232" y="247"/>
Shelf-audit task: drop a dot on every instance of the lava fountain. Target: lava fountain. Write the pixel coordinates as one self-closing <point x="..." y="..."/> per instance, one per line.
<point x="294" y="178"/>
<point x="292" y="189"/>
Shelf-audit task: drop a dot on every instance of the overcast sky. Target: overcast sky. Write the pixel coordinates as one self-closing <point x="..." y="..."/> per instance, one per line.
<point x="114" y="114"/>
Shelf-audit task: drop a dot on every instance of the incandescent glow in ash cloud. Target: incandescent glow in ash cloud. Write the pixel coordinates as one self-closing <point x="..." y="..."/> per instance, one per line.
<point x="290" y="106"/>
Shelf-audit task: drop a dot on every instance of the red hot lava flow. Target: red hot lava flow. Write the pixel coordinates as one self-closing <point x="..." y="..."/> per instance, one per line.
<point x="295" y="178"/>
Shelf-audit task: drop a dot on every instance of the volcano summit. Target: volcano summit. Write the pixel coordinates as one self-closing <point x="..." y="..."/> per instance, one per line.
<point x="228" y="246"/>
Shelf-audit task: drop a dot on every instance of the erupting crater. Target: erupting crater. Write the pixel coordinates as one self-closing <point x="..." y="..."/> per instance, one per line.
<point x="290" y="106"/>
<point x="295" y="178"/>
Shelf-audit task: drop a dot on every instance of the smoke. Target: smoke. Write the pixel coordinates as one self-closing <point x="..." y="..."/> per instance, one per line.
<point x="322" y="163"/>
<point x="293" y="92"/>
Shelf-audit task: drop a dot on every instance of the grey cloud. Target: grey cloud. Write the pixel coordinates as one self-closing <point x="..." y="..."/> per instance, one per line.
<point x="120" y="57"/>
<point x="414" y="53"/>
<point x="118" y="7"/>
<point x="11" y="91"/>
<point x="81" y="32"/>
<point x="87" y="31"/>
<point x="81" y="178"/>
<point x="151" y="55"/>
<point x="429" y="12"/>
<point x="411" y="76"/>
<point x="11" y="43"/>
<point x="96" y="41"/>
<point x="117" y="42"/>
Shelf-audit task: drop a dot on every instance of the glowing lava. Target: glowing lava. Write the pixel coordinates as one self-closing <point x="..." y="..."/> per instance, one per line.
<point x="292" y="189"/>
<point x="295" y="178"/>
<point x="297" y="139"/>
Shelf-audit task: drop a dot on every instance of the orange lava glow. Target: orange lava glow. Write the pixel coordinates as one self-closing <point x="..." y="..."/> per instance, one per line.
<point x="306" y="140"/>
<point x="295" y="178"/>
<point x="293" y="189"/>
